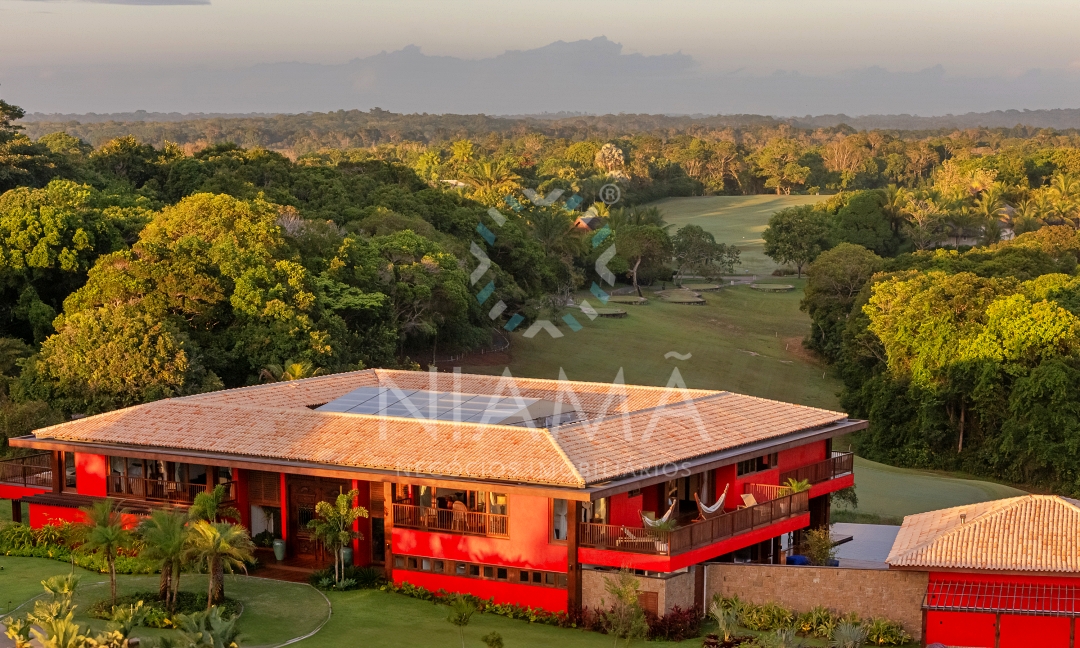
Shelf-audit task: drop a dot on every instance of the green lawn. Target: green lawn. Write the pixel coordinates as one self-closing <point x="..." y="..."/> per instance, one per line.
<point x="741" y="340"/>
<point x="737" y="220"/>
<point x="892" y="492"/>
<point x="274" y="611"/>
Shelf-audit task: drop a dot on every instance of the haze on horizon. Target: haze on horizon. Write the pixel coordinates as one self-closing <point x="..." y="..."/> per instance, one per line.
<point x="683" y="56"/>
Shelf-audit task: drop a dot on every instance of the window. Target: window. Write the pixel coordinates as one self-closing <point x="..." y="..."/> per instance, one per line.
<point x="425" y="564"/>
<point x="489" y="572"/>
<point x="523" y="576"/>
<point x="529" y="577"/>
<point x="438" y="567"/>
<point x="460" y="569"/>
<point x="766" y="462"/>
<point x="559" y="509"/>
<point x="474" y="570"/>
<point x="69" y="470"/>
<point x="538" y="578"/>
<point x="399" y="562"/>
<point x="412" y="563"/>
<point x="500" y="573"/>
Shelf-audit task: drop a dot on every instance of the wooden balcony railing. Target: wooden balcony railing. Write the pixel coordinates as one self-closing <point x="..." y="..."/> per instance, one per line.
<point x="766" y="492"/>
<point x="161" y="490"/>
<point x="427" y="518"/>
<point x="696" y="535"/>
<point x="840" y="464"/>
<point x="34" y="471"/>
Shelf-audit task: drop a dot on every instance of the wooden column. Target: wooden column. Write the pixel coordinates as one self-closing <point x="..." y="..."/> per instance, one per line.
<point x="211" y="477"/>
<point x="820" y="511"/>
<point x="58" y="472"/>
<point x="16" y="510"/>
<point x="388" y="529"/>
<point x="573" y="566"/>
<point x="284" y="510"/>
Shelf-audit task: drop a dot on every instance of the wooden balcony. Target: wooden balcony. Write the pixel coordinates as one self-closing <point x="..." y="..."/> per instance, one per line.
<point x="160" y="490"/>
<point x="766" y="492"/>
<point x="695" y="535"/>
<point x="426" y="518"/>
<point x="839" y="465"/>
<point x="34" y="471"/>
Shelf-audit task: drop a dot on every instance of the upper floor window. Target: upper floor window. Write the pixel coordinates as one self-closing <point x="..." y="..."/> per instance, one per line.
<point x="757" y="464"/>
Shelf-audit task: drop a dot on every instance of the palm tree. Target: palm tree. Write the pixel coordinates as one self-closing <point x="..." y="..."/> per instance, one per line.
<point x="492" y="181"/>
<point x="289" y="371"/>
<point x="220" y="547"/>
<point x="165" y="535"/>
<point x="209" y="506"/>
<point x="333" y="526"/>
<point x="104" y="533"/>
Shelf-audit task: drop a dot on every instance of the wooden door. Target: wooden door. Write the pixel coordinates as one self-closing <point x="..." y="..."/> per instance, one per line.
<point x="304" y="494"/>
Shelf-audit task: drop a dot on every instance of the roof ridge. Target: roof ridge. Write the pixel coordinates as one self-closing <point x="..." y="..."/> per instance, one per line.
<point x="995" y="510"/>
<point x="565" y="457"/>
<point x="269" y="385"/>
<point x="631" y="386"/>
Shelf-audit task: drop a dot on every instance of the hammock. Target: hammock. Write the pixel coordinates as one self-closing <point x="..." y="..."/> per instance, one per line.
<point x="709" y="512"/>
<point x="652" y="524"/>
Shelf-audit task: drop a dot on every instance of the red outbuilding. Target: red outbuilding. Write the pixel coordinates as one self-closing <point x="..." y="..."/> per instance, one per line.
<point x="502" y="487"/>
<point x="1002" y="574"/>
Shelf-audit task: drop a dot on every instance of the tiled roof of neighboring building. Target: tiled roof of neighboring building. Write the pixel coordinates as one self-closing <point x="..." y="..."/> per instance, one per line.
<point x="631" y="428"/>
<point x="1036" y="533"/>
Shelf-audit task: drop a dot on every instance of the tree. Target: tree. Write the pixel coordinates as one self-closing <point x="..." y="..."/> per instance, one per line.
<point x="461" y="611"/>
<point x="220" y="547"/>
<point x="103" y="533"/>
<point x="164" y="535"/>
<point x="491" y="181"/>
<point x="209" y="506"/>
<point x="333" y="526"/>
<point x="796" y="235"/>
<point x="833" y="283"/>
<point x="625" y="619"/>
<point x="778" y="163"/>
<point x="863" y="221"/>
<point x="697" y="251"/>
<point x="643" y="246"/>
<point x="290" y="371"/>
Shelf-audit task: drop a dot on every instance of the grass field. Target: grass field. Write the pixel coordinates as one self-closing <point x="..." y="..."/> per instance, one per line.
<point x="741" y="340"/>
<point x="737" y="220"/>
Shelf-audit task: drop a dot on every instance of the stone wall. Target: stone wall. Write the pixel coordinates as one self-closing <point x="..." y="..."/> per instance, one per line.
<point x="895" y="595"/>
<point x="673" y="589"/>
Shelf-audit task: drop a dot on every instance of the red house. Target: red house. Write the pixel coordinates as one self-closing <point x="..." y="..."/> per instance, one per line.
<point x="502" y="487"/>
<point x="1002" y="574"/>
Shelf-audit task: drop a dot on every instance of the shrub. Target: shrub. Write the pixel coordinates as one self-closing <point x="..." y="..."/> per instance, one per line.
<point x="819" y="622"/>
<point x="769" y="616"/>
<point x="157" y="616"/>
<point x="352" y="578"/>
<point x="819" y="548"/>
<point x="678" y="624"/>
<point x="848" y="635"/>
<point x="263" y="539"/>
<point x="882" y="632"/>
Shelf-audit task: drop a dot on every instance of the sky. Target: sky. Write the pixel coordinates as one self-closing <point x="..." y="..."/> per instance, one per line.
<point x="46" y="42"/>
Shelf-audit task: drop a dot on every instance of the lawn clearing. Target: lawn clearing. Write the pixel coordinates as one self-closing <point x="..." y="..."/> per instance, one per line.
<point x="274" y="611"/>
<point x="735" y="220"/>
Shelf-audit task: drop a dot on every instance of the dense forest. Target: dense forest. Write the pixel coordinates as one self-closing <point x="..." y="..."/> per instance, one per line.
<point x="147" y="259"/>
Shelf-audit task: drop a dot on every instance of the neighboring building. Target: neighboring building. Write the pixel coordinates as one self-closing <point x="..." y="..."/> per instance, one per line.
<point x="588" y="222"/>
<point x="502" y="487"/>
<point x="1002" y="574"/>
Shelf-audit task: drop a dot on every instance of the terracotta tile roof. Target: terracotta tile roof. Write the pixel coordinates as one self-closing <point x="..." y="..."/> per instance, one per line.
<point x="670" y="433"/>
<point x="595" y="398"/>
<point x="355" y="440"/>
<point x="1038" y="533"/>
<point x="634" y="428"/>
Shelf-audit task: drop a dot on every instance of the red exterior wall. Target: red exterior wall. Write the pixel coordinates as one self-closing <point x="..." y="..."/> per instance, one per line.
<point x="7" y="491"/>
<point x="243" y="504"/>
<point x="978" y="629"/>
<point x="551" y="599"/>
<point x="832" y="485"/>
<point x="362" y="545"/>
<point x="608" y="558"/>
<point x="625" y="511"/>
<point x="803" y="455"/>
<point x="527" y="547"/>
<point x="91" y="474"/>
<point x="960" y="629"/>
<point x="42" y="515"/>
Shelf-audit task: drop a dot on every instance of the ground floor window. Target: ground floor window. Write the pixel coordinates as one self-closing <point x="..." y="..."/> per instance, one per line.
<point x="536" y="577"/>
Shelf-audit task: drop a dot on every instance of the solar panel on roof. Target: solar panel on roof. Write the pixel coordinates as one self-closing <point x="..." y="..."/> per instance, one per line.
<point x="423" y="404"/>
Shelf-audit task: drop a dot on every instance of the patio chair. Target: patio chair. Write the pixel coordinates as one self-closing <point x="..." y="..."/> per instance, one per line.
<point x="748" y="500"/>
<point x="709" y="512"/>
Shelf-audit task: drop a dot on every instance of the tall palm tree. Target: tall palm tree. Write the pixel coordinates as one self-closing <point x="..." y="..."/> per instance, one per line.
<point x="210" y="506"/>
<point x="491" y="180"/>
<point x="103" y="532"/>
<point x="220" y="547"/>
<point x="165" y="535"/>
